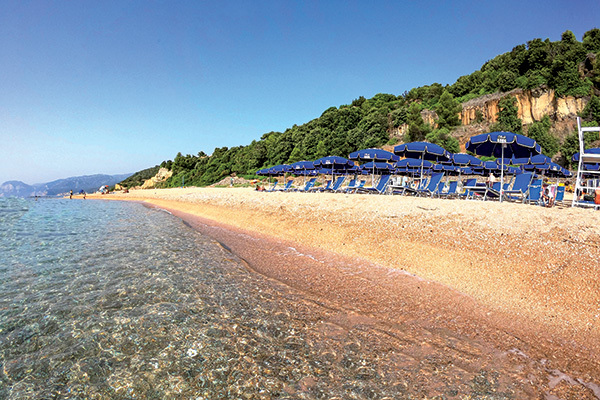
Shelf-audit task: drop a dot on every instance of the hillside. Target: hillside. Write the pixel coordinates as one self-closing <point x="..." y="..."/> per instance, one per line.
<point x="536" y="89"/>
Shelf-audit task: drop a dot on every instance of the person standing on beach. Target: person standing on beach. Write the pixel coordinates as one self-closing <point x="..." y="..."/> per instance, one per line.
<point x="71" y="194"/>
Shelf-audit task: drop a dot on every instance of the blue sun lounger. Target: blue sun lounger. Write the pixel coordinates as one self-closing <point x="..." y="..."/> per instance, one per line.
<point x="336" y="185"/>
<point x="323" y="188"/>
<point x="534" y="192"/>
<point x="432" y="186"/>
<point x="469" y="183"/>
<point x="308" y="185"/>
<point x="410" y="189"/>
<point x="452" y="186"/>
<point x="287" y="186"/>
<point x="520" y="187"/>
<point x="353" y="188"/>
<point x="380" y="188"/>
<point x="560" y="195"/>
<point x="272" y="188"/>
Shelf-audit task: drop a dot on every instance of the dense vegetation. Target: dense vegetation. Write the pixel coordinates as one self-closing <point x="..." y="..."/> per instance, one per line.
<point x="568" y="66"/>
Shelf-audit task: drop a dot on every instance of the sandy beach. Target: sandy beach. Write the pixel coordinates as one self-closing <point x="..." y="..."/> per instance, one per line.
<point x="520" y="276"/>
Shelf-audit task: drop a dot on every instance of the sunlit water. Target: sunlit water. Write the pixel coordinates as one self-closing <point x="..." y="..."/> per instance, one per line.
<point x="116" y="300"/>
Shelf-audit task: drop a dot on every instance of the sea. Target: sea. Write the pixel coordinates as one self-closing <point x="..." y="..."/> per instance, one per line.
<point x="115" y="300"/>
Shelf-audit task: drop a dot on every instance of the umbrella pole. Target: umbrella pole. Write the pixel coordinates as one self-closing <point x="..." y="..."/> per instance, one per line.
<point x="502" y="175"/>
<point x="373" y="176"/>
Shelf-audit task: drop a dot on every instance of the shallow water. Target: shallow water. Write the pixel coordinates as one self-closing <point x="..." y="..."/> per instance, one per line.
<point x="116" y="300"/>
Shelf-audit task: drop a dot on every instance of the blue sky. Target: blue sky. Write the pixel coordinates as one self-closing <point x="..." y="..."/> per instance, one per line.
<point x="118" y="86"/>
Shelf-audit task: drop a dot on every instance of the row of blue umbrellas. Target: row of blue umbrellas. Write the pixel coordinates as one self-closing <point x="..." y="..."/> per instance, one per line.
<point x="514" y="154"/>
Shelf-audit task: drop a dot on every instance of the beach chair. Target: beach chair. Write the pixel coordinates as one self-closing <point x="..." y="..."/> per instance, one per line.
<point x="350" y="186"/>
<point x="534" y="192"/>
<point x="519" y="188"/>
<point x="452" y="186"/>
<point x="353" y="189"/>
<point x="380" y="188"/>
<point x="411" y="190"/>
<point x="321" y="189"/>
<point x="337" y="184"/>
<point x="272" y="188"/>
<point x="308" y="185"/>
<point x="560" y="195"/>
<point x="432" y="186"/>
<point x="287" y="186"/>
<point x="439" y="189"/>
<point x="466" y="193"/>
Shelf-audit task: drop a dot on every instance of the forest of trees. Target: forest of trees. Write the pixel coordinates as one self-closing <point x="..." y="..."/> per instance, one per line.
<point x="568" y="66"/>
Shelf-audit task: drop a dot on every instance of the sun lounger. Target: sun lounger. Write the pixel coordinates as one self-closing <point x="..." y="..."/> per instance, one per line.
<point x="351" y="185"/>
<point x="337" y="184"/>
<point x="287" y="186"/>
<point x="432" y="186"/>
<point x="323" y="188"/>
<point x="469" y="183"/>
<point x="451" y="190"/>
<point x="477" y="191"/>
<point x="520" y="187"/>
<point x="560" y="195"/>
<point x="380" y="188"/>
<point x="272" y="188"/>
<point x="353" y="189"/>
<point x="410" y="189"/>
<point x="534" y="192"/>
<point x="308" y="185"/>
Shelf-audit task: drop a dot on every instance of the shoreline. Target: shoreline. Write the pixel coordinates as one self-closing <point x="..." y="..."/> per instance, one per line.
<point x="479" y="268"/>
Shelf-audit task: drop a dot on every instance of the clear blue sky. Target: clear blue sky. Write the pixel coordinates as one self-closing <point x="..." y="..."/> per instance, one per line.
<point x="117" y="86"/>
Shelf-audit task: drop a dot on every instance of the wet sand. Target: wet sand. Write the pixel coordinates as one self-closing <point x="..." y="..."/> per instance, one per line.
<point x="521" y="279"/>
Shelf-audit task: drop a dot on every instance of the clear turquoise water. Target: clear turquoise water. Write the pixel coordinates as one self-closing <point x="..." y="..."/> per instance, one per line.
<point x="116" y="300"/>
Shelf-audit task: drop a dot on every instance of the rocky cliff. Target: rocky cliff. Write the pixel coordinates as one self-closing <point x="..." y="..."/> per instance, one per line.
<point x="162" y="175"/>
<point x="533" y="106"/>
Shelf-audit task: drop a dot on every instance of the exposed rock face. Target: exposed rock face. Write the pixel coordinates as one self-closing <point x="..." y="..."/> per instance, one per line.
<point x="533" y="106"/>
<point x="162" y="175"/>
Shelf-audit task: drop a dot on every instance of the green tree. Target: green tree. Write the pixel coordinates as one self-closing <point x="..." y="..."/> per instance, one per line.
<point x="571" y="144"/>
<point x="508" y="116"/>
<point x="591" y="40"/>
<point x="322" y="150"/>
<point x="448" y="110"/>
<point x="591" y="112"/>
<point x="443" y="138"/>
<point x="540" y="132"/>
<point x="417" y="128"/>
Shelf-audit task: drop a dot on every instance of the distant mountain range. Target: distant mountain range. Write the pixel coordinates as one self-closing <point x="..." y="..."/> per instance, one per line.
<point x="88" y="183"/>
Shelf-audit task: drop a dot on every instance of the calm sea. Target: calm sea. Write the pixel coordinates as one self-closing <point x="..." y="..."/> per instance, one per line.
<point x="115" y="300"/>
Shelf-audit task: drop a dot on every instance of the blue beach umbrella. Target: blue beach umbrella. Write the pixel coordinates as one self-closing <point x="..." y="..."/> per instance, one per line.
<point x="500" y="145"/>
<point x="413" y="163"/>
<point x="373" y="155"/>
<point x="595" y="150"/>
<point x="537" y="159"/>
<point x="334" y="164"/>
<point x="380" y="168"/>
<point x="303" y="168"/>
<point x="464" y="160"/>
<point x="422" y="150"/>
<point x="280" y="170"/>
